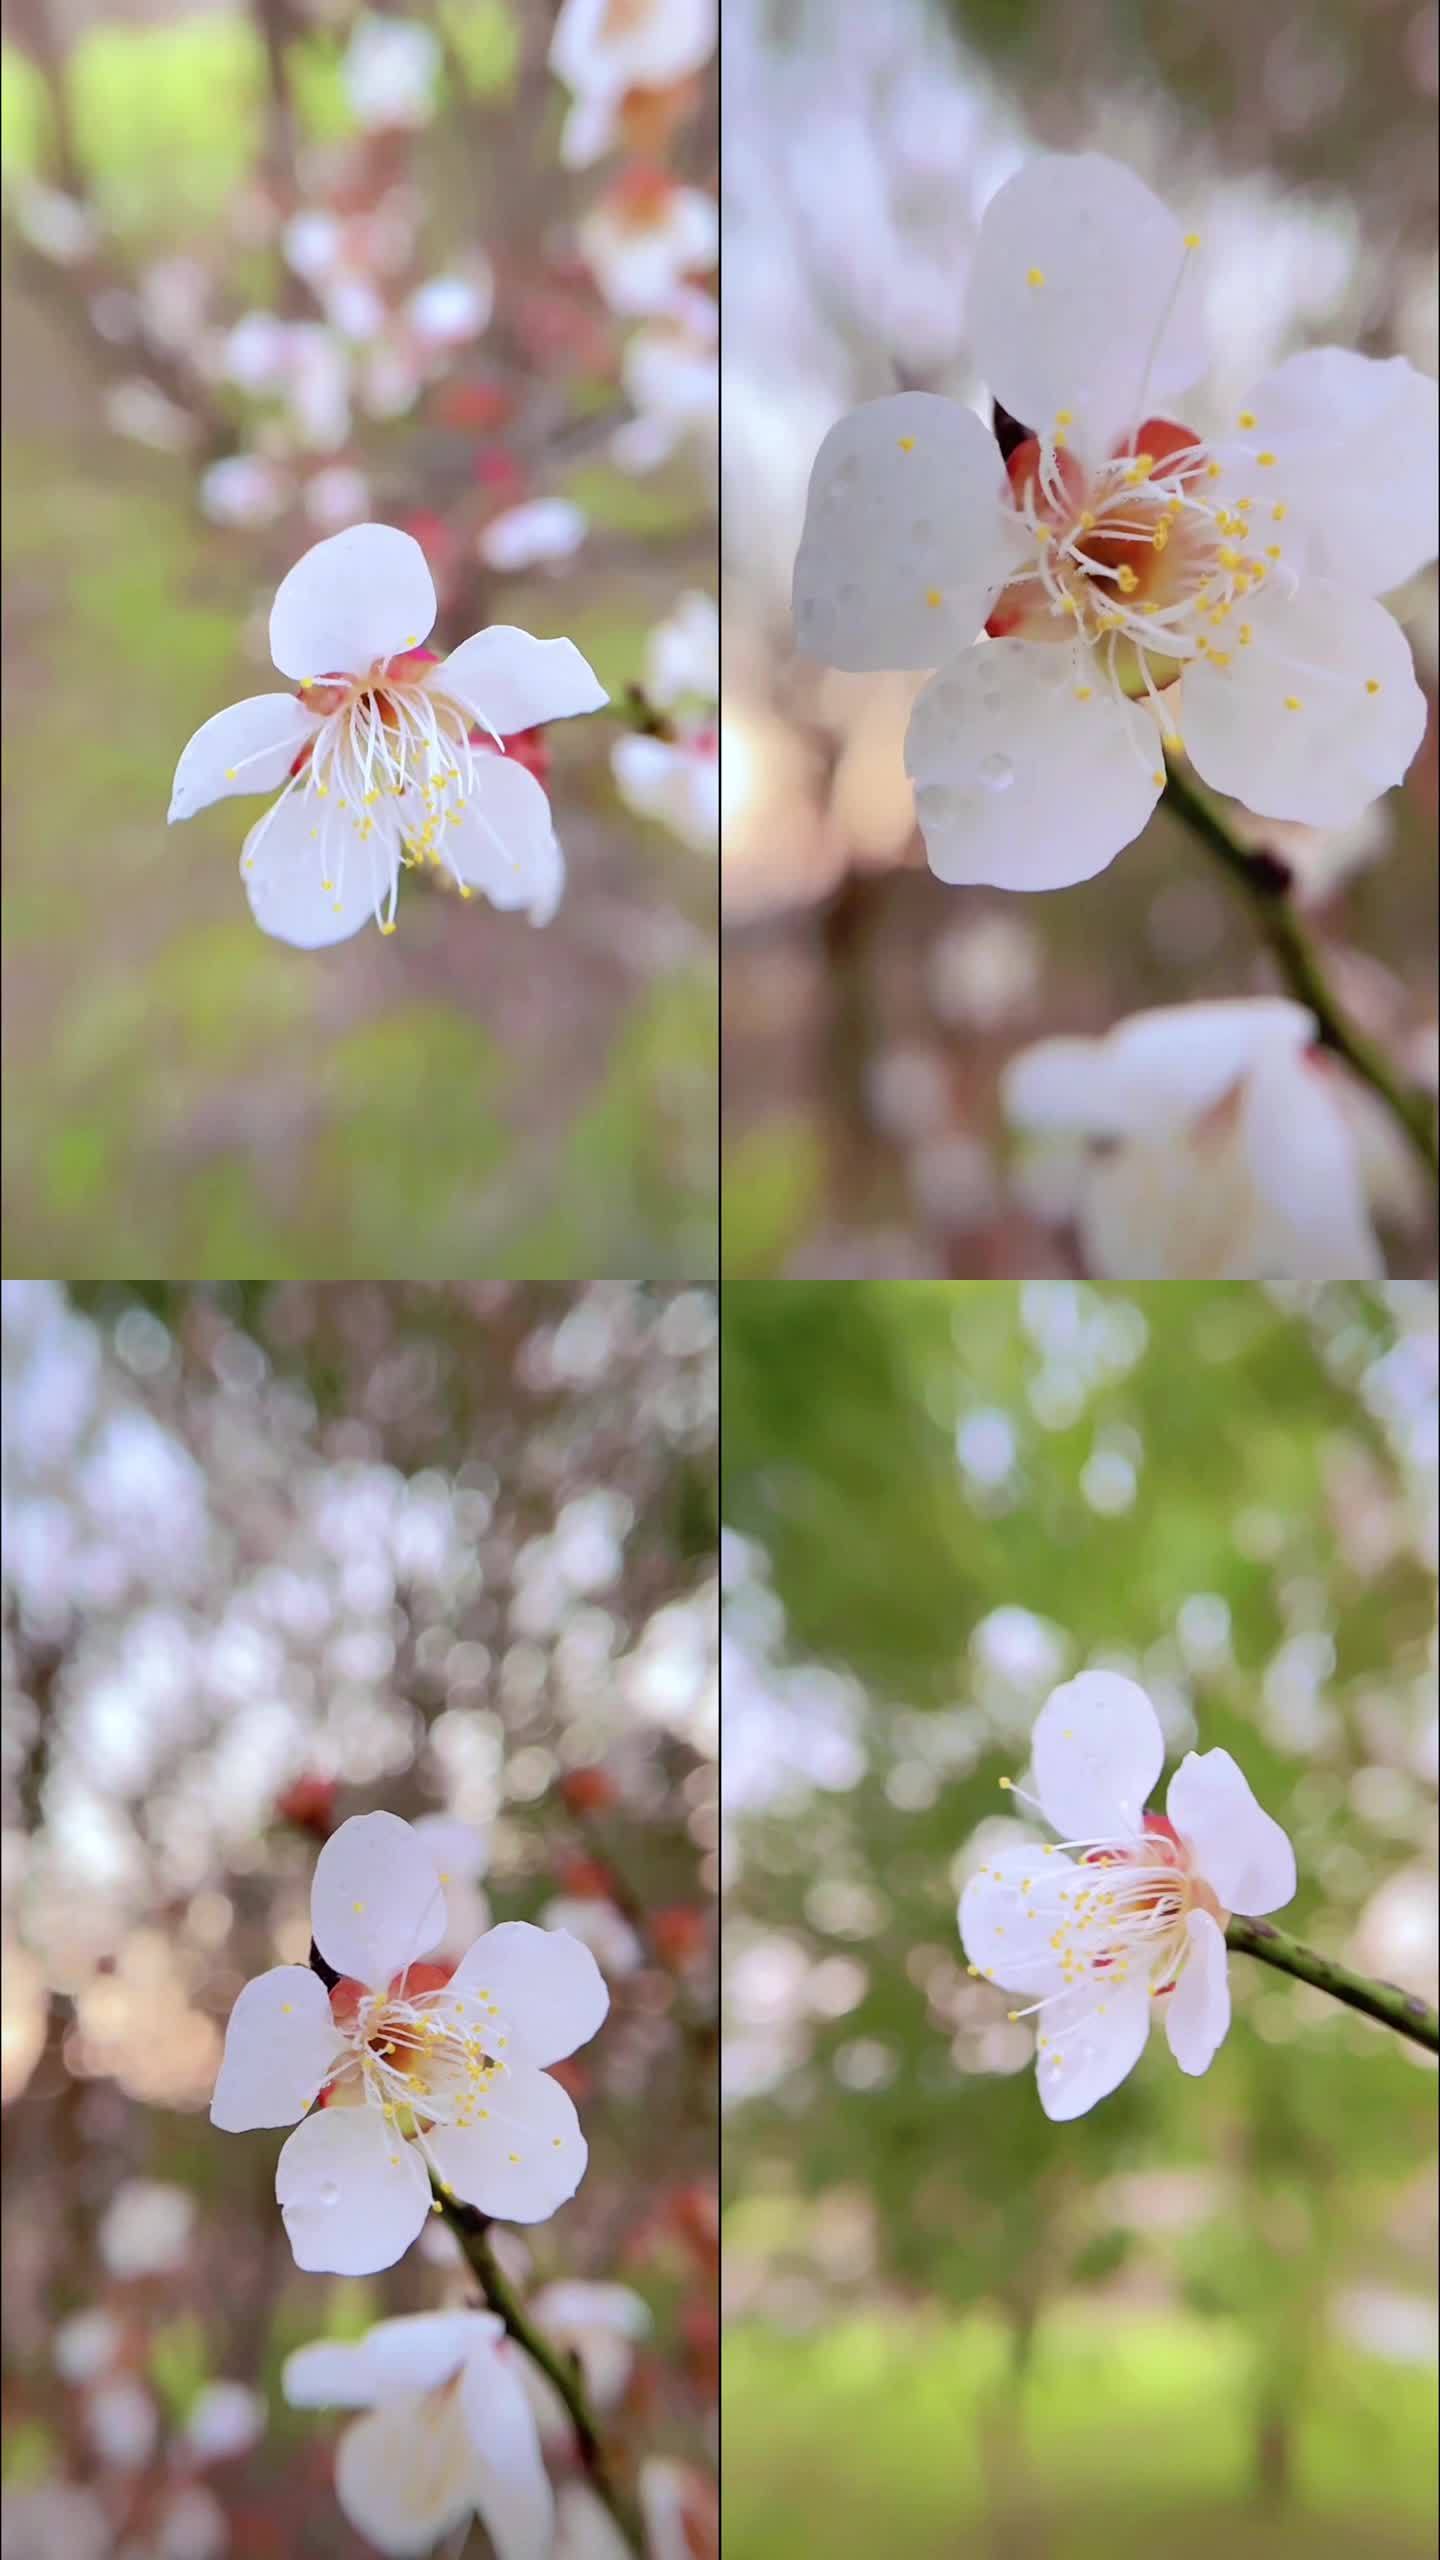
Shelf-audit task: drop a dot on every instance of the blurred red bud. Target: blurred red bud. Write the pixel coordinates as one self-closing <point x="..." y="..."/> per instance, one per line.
<point x="309" y="1803"/>
<point x="588" y="1791"/>
<point x="677" y="1933"/>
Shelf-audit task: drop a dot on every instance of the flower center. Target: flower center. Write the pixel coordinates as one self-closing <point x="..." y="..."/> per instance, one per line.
<point x="422" y="2054"/>
<point x="1139" y="562"/>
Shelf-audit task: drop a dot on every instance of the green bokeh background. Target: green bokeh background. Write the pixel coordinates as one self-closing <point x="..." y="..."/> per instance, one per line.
<point x="185" y="1097"/>
<point x="955" y="2327"/>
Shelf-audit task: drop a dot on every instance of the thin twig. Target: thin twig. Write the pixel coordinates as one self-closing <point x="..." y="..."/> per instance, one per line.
<point x="1266" y="882"/>
<point x="1402" y="2010"/>
<point x="472" y="2230"/>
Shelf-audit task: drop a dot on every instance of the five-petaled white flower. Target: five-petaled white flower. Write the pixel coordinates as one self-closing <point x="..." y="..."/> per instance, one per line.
<point x="416" y="2075"/>
<point x="1141" y="580"/>
<point x="449" y="2432"/>
<point x="386" y="758"/>
<point x="1137" y="1914"/>
<point x="1222" y="1143"/>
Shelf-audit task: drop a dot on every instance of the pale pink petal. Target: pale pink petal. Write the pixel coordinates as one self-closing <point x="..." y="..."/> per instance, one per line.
<point x="352" y="2192"/>
<point x="550" y="1989"/>
<point x="522" y="2156"/>
<point x="510" y="682"/>
<point x="394" y="2360"/>
<point x="1243" y="1855"/>
<point x="1004" y="1929"/>
<point x="502" y="841"/>
<point x="405" y="2475"/>
<point x="1197" y="2011"/>
<point x="311" y="881"/>
<point x="1083" y="299"/>
<point x="280" y="2047"/>
<point x="1093" y="2039"/>
<point x="1019" y="784"/>
<point x="249" y="747"/>
<point x="1312" y="718"/>
<point x="365" y="594"/>
<point x="904" y="548"/>
<point x="1356" y="463"/>
<point x="512" y="2488"/>
<point x="376" y="1902"/>
<point x="1096" y="1751"/>
<point x="1315" y="1218"/>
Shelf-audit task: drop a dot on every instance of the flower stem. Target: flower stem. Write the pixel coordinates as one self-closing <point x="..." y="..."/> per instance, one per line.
<point x="1266" y="880"/>
<point x="1401" y="2010"/>
<point x="472" y="2230"/>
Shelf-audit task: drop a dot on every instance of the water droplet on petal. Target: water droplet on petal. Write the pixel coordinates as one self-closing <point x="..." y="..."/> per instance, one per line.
<point x="996" y="772"/>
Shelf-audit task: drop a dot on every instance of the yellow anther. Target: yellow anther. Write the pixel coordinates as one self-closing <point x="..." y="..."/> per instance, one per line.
<point x="357" y="1906"/>
<point x="1292" y="701"/>
<point x="1219" y="657"/>
<point x="1158" y="778"/>
<point x="1246" y="635"/>
<point x="1277" y="513"/>
<point x="1069" y="604"/>
<point x="1125" y="579"/>
<point x="1160" y="536"/>
<point x="388" y="928"/>
<point x="1372" y="684"/>
<point x="1265" y="460"/>
<point x="1064" y="418"/>
<point x="1083" y="692"/>
<point x="1212" y="470"/>
<point x="1229" y="559"/>
<point x="1247" y="417"/>
<point x="1086" y="519"/>
<point x="229" y="773"/>
<point x="1192" y="239"/>
<point x="1272" y="551"/>
<point x="933" y="596"/>
<point x="1007" y="1783"/>
<point x="907" y="444"/>
<point x="287" y="2008"/>
<point x="1035" y="275"/>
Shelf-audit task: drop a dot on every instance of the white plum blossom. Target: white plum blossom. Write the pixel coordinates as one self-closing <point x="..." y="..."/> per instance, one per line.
<point x="448" y="2432"/>
<point x="1144" y="580"/>
<point x="604" y="52"/>
<point x="1221" y="1145"/>
<point x="146" y="2228"/>
<point x="385" y="758"/>
<point x="670" y="376"/>
<point x="597" y="1924"/>
<point x="87" y="2344"/>
<point x="644" y="237"/>
<point x="123" y="2423"/>
<point x="461" y="1853"/>
<point x="390" y="69"/>
<point x="417" y="2076"/>
<point x="1129" y="1908"/>
<point x="225" y="2419"/>
<point x="243" y="489"/>
<point x="535" y="535"/>
<point x="675" y="779"/>
<point x="447" y="310"/>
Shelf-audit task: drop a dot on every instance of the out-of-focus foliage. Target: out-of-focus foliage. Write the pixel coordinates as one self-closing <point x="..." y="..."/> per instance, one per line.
<point x="869" y="1010"/>
<point x="1209" y="2298"/>
<point x="240" y="313"/>
<point x="274" y="1557"/>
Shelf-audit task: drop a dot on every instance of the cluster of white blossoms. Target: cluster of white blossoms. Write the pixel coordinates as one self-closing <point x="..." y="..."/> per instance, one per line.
<point x="674" y="779"/>
<point x="607" y="55"/>
<point x="1138" y="581"/>
<point x="1204" y="1142"/>
<point x="409" y="2075"/>
<point x="1129" y="1908"/>
<point x="386" y="758"/>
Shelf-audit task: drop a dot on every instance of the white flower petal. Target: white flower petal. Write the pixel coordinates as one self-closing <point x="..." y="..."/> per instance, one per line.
<point x="393" y="2361"/>
<point x="903" y="550"/>
<point x="1314" y="1221"/>
<point x="1290" y="726"/>
<point x="280" y="2047"/>
<point x="1243" y="1855"/>
<point x="1000" y="1937"/>
<point x="405" y="2475"/>
<point x="1093" y="2038"/>
<point x="511" y="2486"/>
<point x="510" y="681"/>
<point x="1020" y="785"/>
<point x="376" y="1903"/>
<point x="365" y="594"/>
<point x="1155" y="1071"/>
<point x="309" y="879"/>
<point x="1096" y="1751"/>
<point x="460" y="1850"/>
<point x="571" y="2305"/>
<point x="251" y="746"/>
<point x="1356" y="462"/>
<point x="1082" y="297"/>
<point x="522" y="2157"/>
<point x="550" y="1988"/>
<point x="352" y="2193"/>
<point x="502" y="842"/>
<point x="1197" y="2011"/>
